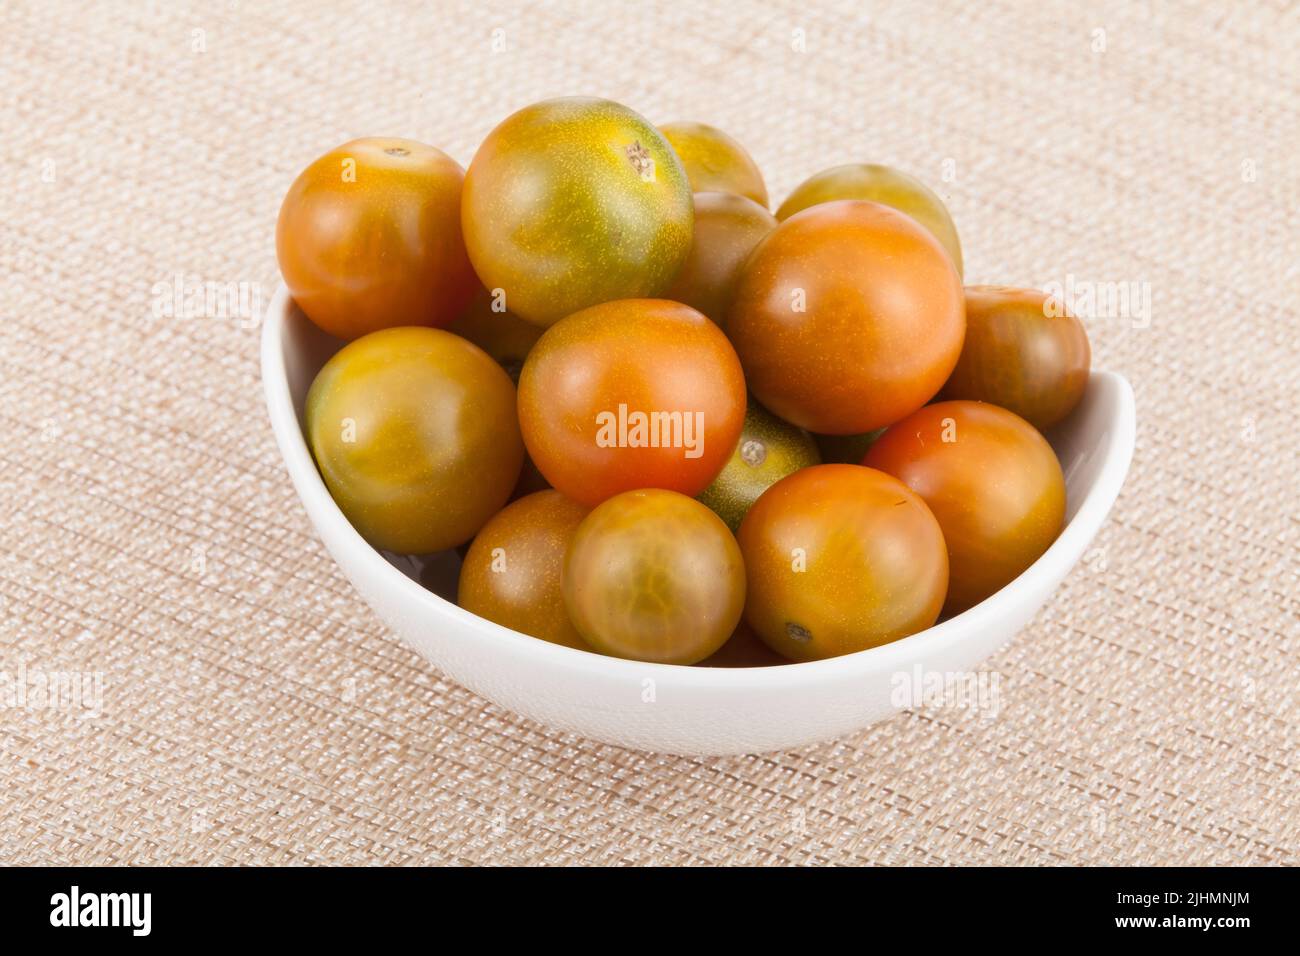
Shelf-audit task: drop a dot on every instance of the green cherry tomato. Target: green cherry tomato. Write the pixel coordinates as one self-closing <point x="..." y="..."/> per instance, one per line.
<point x="654" y="576"/>
<point x="574" y="202"/>
<point x="768" y="450"/>
<point x="882" y="184"/>
<point x="416" y="435"/>
<point x="715" y="161"/>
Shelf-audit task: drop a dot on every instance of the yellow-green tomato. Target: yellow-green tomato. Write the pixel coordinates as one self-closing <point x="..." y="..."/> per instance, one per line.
<point x="768" y="450"/>
<point x="727" y="228"/>
<point x="882" y="184"/>
<point x="416" y="435"/>
<point x="512" y="572"/>
<point x="573" y="202"/>
<point x="715" y="162"/>
<point x="654" y="576"/>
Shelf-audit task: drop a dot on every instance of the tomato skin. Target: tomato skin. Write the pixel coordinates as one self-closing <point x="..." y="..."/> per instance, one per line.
<point x="652" y="575"/>
<point x="881" y="184"/>
<point x="840" y="558"/>
<point x="636" y="356"/>
<point x="512" y="573"/>
<point x="996" y="489"/>
<point x="727" y="228"/>
<point x="415" y="433"/>
<point x="380" y="248"/>
<point x="768" y="449"/>
<point x="573" y="202"/>
<point x="1024" y="352"/>
<point x="715" y="161"/>
<point x="881" y="324"/>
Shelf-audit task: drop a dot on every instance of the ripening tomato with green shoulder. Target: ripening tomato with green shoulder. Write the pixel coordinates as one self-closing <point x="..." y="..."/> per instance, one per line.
<point x="767" y="451"/>
<point x="715" y="161"/>
<point x="652" y="575"/>
<point x="840" y="558"/>
<point x="992" y="481"/>
<point x="572" y="202"/>
<point x="847" y="317"/>
<point x="882" y="184"/>
<point x="416" y="435"/>
<point x="369" y="238"/>
<point x="1024" y="351"/>
<point x="639" y="393"/>
<point x="727" y="228"/>
<point x="513" y="571"/>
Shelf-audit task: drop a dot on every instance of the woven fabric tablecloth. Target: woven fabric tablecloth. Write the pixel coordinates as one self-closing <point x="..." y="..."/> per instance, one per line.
<point x="251" y="709"/>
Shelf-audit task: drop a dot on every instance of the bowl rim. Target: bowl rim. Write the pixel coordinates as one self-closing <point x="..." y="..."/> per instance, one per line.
<point x="329" y="520"/>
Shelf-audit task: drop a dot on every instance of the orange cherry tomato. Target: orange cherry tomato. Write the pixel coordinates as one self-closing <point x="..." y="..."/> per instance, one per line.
<point x="640" y="393"/>
<point x="840" y="558"/>
<point x="847" y="317"/>
<point x="415" y="433"/>
<point x="1023" y="351"/>
<point x="993" y="483"/>
<point x="727" y="227"/>
<point x="369" y="238"/>
<point x="652" y="575"/>
<point x="881" y="184"/>
<point x="715" y="162"/>
<point x="512" y="572"/>
<point x="572" y="202"/>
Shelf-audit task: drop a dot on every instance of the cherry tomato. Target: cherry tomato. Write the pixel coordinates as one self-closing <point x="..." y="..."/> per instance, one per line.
<point x="415" y="433"/>
<point x="1023" y="351"/>
<point x="768" y="450"/>
<point x="513" y="570"/>
<point x="369" y="238"/>
<point x="715" y="162"/>
<point x="652" y="575"/>
<point x="502" y="334"/>
<point x="573" y="202"/>
<point x="993" y="483"/>
<point x="840" y="558"/>
<point x="727" y="227"/>
<point x="884" y="185"/>
<point x="641" y="393"/>
<point x="847" y="317"/>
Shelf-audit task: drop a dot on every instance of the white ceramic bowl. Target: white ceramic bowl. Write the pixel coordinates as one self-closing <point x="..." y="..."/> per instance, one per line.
<point x="670" y="708"/>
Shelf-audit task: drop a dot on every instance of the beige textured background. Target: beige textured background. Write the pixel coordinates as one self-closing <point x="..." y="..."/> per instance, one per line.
<point x="254" y="710"/>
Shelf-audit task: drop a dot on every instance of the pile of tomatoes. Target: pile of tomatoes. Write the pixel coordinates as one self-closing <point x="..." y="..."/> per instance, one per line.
<point x="658" y="421"/>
